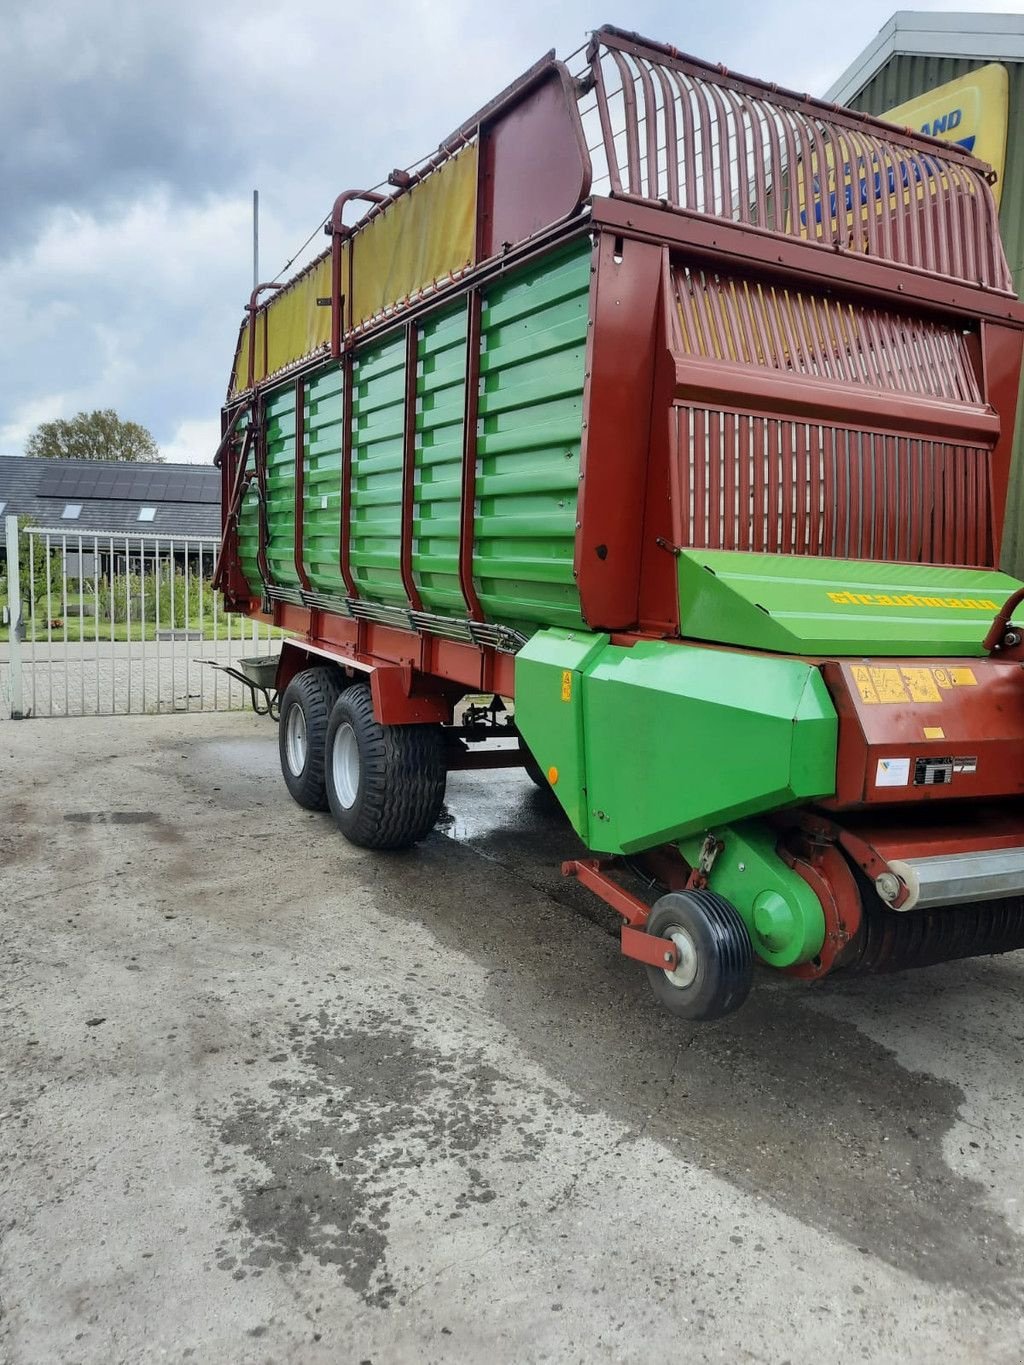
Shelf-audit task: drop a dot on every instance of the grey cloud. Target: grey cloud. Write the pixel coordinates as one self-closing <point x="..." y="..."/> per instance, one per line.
<point x="99" y="108"/>
<point x="113" y="109"/>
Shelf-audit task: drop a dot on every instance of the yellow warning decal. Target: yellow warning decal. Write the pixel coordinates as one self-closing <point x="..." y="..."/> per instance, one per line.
<point x="955" y="677"/>
<point x="890" y="686"/>
<point x="566" y="684"/>
<point x="921" y="684"/>
<point x="934" y="732"/>
<point x="864" y="685"/>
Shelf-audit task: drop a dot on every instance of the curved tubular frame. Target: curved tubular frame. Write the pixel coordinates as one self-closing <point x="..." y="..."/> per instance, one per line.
<point x="338" y="231"/>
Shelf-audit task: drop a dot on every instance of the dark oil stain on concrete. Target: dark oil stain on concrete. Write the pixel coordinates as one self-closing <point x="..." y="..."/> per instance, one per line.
<point x="344" y="1136"/>
<point x="780" y="1100"/>
<point x="111" y="817"/>
<point x="157" y="827"/>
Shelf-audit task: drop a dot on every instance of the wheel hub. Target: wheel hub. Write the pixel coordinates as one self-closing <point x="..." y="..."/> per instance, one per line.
<point x="685" y="971"/>
<point x="295" y="740"/>
<point x="345" y="764"/>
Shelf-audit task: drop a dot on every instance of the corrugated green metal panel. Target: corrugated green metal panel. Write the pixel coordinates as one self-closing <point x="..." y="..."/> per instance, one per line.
<point x="378" y="409"/>
<point x="440" y="428"/>
<point x="280" y="425"/>
<point x="903" y="78"/>
<point x="534" y="330"/>
<point x="321" y="487"/>
<point x="249" y="532"/>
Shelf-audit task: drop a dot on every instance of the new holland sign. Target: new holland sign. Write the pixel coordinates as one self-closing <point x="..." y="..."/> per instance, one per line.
<point x="970" y="111"/>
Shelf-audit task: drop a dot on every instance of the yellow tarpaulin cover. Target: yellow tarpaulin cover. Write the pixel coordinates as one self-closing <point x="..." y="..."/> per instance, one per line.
<point x="423" y="236"/>
<point x="296" y="325"/>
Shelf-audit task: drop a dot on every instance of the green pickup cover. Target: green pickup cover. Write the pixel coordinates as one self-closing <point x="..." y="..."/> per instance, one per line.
<point x="660" y="740"/>
<point x="799" y="605"/>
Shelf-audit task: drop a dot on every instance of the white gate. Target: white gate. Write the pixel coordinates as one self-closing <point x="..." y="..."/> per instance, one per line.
<point x="100" y="624"/>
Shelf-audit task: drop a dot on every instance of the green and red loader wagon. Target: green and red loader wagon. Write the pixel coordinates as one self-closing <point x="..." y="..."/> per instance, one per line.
<point x="676" y="410"/>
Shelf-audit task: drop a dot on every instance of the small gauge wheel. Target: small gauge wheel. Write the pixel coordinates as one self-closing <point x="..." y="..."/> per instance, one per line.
<point x="715" y="966"/>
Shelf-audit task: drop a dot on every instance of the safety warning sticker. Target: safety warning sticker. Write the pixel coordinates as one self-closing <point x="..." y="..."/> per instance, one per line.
<point x="881" y="686"/>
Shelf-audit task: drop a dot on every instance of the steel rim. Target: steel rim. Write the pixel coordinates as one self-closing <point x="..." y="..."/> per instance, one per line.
<point x="685" y="971"/>
<point x="345" y="764"/>
<point x="295" y="744"/>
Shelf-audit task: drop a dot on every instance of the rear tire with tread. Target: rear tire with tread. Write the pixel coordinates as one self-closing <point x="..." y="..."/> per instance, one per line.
<point x="385" y="783"/>
<point x="314" y="691"/>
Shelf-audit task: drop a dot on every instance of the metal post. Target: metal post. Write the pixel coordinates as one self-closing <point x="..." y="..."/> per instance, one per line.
<point x="14" y="615"/>
<point x="255" y="239"/>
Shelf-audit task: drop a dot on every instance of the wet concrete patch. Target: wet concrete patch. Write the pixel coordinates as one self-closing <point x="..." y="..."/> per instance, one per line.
<point x="20" y="840"/>
<point x="348" y="1132"/>
<point x="781" y="1100"/>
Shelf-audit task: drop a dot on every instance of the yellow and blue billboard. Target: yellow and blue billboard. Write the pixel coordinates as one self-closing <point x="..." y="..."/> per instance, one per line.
<point x="970" y="112"/>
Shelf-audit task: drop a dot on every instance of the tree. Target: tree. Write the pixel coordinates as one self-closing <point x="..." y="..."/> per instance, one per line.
<point x="99" y="435"/>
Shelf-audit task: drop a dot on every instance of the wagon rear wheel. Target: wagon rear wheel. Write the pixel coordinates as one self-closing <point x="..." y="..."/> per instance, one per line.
<point x="302" y="733"/>
<point x="385" y="783"/>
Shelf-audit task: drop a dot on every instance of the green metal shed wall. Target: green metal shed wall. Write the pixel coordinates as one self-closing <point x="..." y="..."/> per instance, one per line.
<point x="903" y="78"/>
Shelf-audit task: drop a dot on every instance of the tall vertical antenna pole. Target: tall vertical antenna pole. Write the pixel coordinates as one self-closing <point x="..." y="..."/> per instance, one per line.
<point x="255" y="238"/>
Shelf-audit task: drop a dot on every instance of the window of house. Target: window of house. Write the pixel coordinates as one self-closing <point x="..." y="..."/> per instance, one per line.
<point x="72" y="511"/>
<point x="147" y="513"/>
<point x="2" y="506"/>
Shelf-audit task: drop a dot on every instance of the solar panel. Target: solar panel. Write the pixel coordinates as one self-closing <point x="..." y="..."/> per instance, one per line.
<point x="129" y="483"/>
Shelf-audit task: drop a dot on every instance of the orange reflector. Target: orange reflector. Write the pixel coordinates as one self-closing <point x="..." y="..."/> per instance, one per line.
<point x="552" y="775"/>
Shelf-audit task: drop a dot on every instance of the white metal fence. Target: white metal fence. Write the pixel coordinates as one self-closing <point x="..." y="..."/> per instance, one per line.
<point x="99" y="624"/>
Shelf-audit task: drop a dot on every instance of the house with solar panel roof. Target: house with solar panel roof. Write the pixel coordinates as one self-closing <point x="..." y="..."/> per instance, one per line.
<point x="111" y="503"/>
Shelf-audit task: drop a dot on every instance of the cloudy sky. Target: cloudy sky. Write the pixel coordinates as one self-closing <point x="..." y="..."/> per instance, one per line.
<point x="134" y="132"/>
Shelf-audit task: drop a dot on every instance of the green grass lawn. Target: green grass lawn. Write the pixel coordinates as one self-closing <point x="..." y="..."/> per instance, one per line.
<point x="79" y="622"/>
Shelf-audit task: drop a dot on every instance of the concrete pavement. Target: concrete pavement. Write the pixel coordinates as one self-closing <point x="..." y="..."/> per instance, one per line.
<point x="266" y="1097"/>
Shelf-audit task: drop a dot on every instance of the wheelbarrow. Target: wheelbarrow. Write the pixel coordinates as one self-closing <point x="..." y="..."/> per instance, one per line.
<point x="259" y="675"/>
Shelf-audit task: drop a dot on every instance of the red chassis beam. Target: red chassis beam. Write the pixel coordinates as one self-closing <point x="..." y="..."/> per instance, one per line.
<point x="415" y="678"/>
<point x="635" y="941"/>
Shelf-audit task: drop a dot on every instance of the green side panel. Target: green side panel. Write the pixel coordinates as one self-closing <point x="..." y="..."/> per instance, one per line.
<point x="533" y="342"/>
<point x="781" y="912"/>
<point x="321" y="481"/>
<point x="440" y="431"/>
<point x="549" y="711"/>
<point x="249" y="531"/>
<point x="802" y="605"/>
<point x="378" y="413"/>
<point x="280" y="423"/>
<point x="676" y="738"/>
